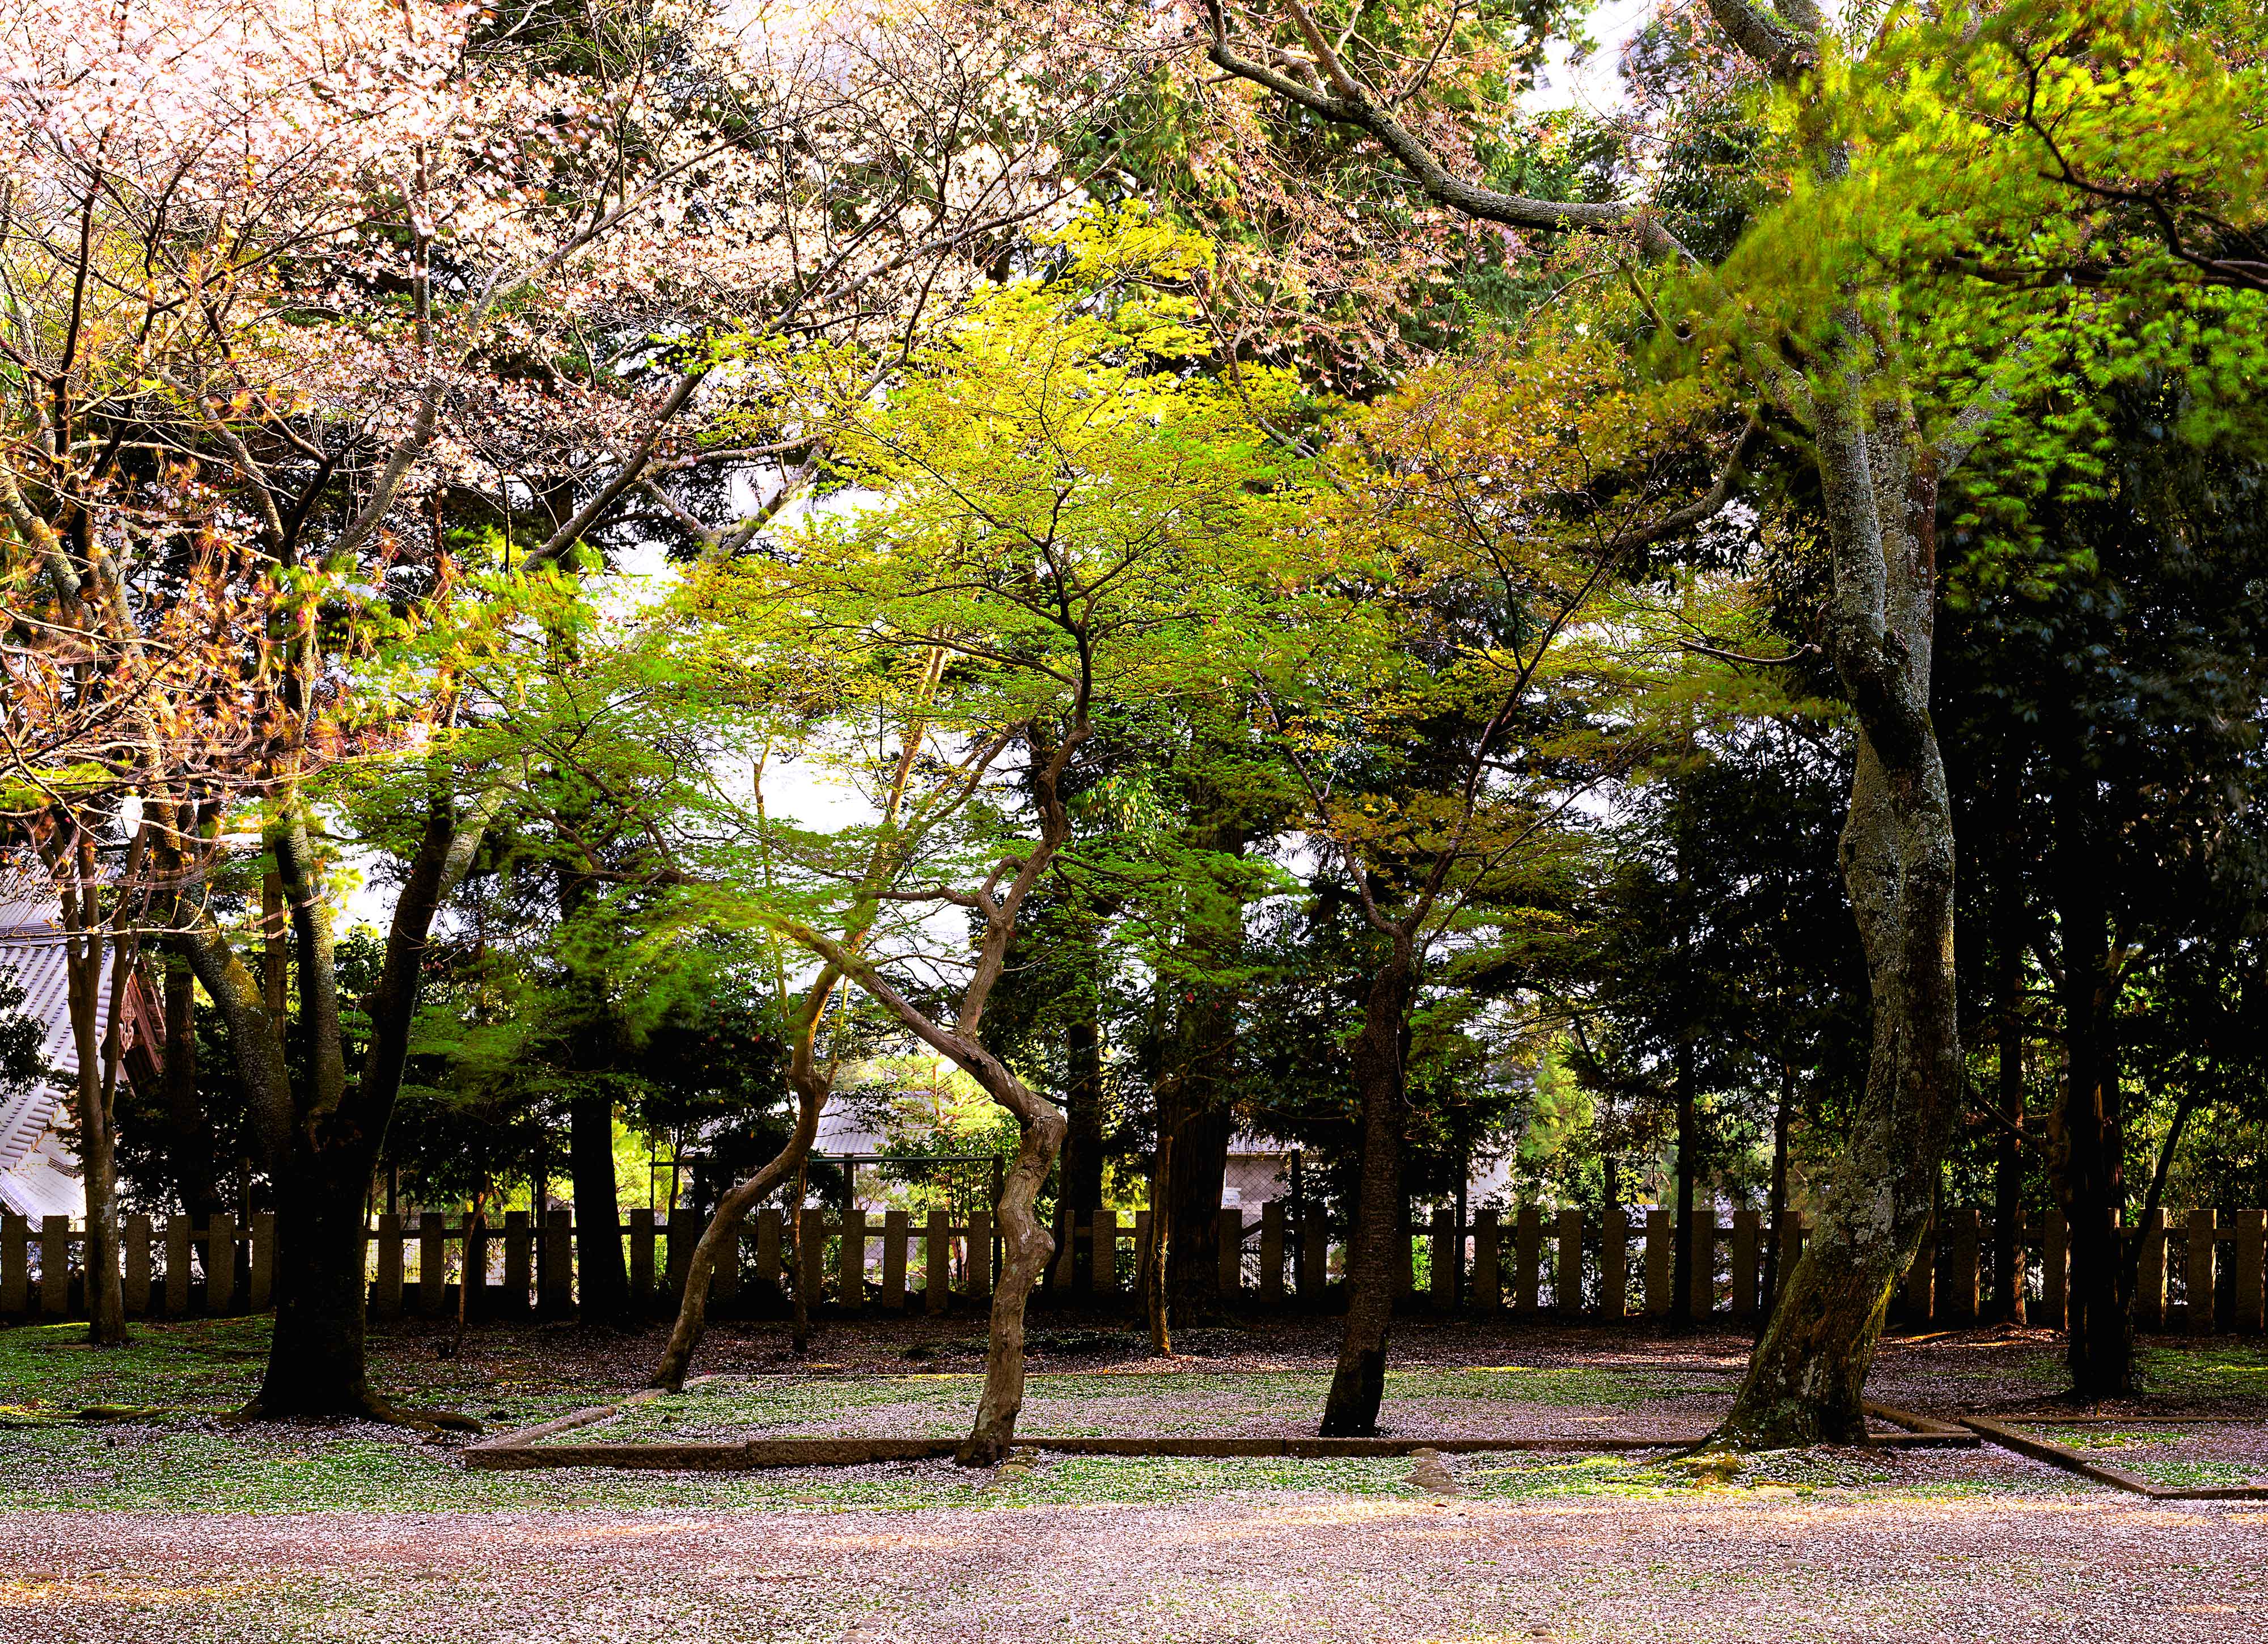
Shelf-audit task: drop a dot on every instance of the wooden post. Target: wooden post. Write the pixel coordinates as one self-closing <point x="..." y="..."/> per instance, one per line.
<point x="15" y="1264"/>
<point x="1748" y="1230"/>
<point x="136" y="1281"/>
<point x="642" y="1236"/>
<point x="1271" y="1254"/>
<point x="1442" y="1285"/>
<point x="1488" y="1270"/>
<point x="683" y="1232"/>
<point x="432" y="1264"/>
<point x="1316" y="1253"/>
<point x="220" y="1264"/>
<point x="1614" y="1263"/>
<point x="2055" y="1271"/>
<point x="1790" y="1246"/>
<point x="2251" y="1253"/>
<point x="178" y="1233"/>
<point x="1962" y="1229"/>
<point x="1703" y="1294"/>
<point x="2197" y="1315"/>
<point x="1657" y="1261"/>
<point x="263" y="1261"/>
<point x="519" y="1268"/>
<point x="1527" y="1257"/>
<point x="1103" y="1257"/>
<point x="389" y="1266"/>
<point x="769" y="1227"/>
<point x="895" y="1234"/>
<point x="811" y="1276"/>
<point x="1232" y="1253"/>
<point x="937" y="1262"/>
<point x="980" y="1255"/>
<point x="725" y="1276"/>
<point x="1921" y="1283"/>
<point x="2150" y="1287"/>
<point x="55" y="1267"/>
<point x="853" y="1277"/>
<point x="555" y="1271"/>
<point x="1567" y="1285"/>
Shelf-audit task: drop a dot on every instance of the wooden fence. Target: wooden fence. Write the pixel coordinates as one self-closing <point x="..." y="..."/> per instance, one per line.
<point x="2201" y="1271"/>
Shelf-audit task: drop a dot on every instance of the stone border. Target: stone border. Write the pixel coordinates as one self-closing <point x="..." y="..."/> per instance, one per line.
<point x="2071" y="1461"/>
<point x="525" y="1449"/>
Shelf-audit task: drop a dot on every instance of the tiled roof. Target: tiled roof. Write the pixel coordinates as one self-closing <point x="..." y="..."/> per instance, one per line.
<point x="36" y="1168"/>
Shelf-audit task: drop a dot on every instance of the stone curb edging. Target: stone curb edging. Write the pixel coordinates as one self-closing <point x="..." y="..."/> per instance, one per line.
<point x="2057" y="1455"/>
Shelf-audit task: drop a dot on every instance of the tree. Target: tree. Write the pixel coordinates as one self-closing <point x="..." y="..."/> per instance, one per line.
<point x="314" y="299"/>
<point x="1066" y="519"/>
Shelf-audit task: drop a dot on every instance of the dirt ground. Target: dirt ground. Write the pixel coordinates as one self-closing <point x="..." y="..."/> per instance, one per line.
<point x="176" y="1527"/>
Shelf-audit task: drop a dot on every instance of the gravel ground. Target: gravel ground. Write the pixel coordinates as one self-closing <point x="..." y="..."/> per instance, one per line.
<point x="345" y="1531"/>
<point x="1737" y="1567"/>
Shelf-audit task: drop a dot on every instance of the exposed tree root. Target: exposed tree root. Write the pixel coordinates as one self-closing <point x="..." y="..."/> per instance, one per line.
<point x="369" y="1407"/>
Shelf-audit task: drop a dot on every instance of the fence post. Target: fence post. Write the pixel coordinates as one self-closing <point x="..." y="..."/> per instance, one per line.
<point x="389" y="1265"/>
<point x="1272" y="1254"/>
<point x="1567" y="1287"/>
<point x="2150" y="1288"/>
<point x="1441" y="1285"/>
<point x="135" y="1285"/>
<point x="642" y="1260"/>
<point x="1747" y="1226"/>
<point x="1657" y="1260"/>
<point x="1791" y="1247"/>
<point x="1526" y="1257"/>
<point x="768" y="1251"/>
<point x="1921" y="1281"/>
<point x="1102" y="1257"/>
<point x="517" y="1278"/>
<point x="1232" y="1252"/>
<point x="1963" y="1230"/>
<point x="811" y="1276"/>
<point x="220" y="1264"/>
<point x="854" y="1259"/>
<point x="937" y="1262"/>
<point x="177" y="1266"/>
<point x="15" y="1264"/>
<point x="1613" y="1263"/>
<point x="1702" y="1292"/>
<point x="2251" y="1253"/>
<point x="2198" y="1314"/>
<point x="55" y="1267"/>
<point x="263" y="1261"/>
<point x="980" y="1255"/>
<point x="2055" y="1270"/>
<point x="554" y="1270"/>
<point x="894" y="1261"/>
<point x="1487" y="1293"/>
<point x="432" y="1264"/>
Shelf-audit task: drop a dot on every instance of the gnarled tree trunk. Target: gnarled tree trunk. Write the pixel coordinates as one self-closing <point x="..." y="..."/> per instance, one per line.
<point x="1805" y="1379"/>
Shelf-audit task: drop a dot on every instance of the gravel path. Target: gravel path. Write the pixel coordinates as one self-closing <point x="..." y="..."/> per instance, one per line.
<point x="1734" y="1568"/>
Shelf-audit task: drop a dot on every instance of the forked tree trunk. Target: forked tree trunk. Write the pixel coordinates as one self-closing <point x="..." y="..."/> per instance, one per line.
<point x="1806" y="1378"/>
<point x="1025" y="1247"/>
<point x="1373" y="1270"/>
<point x="315" y="1361"/>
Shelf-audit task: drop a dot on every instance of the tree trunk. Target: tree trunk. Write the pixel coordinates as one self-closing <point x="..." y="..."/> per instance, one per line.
<point x="1373" y="1271"/>
<point x="2008" y="1266"/>
<point x="1082" y="1154"/>
<point x="85" y="941"/>
<point x="1689" y="1163"/>
<point x="315" y="1361"/>
<point x="1193" y="1194"/>
<point x="1025" y="1247"/>
<point x="2091" y="1156"/>
<point x="189" y="1137"/>
<point x="1806" y="1377"/>
<point x="602" y="1279"/>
